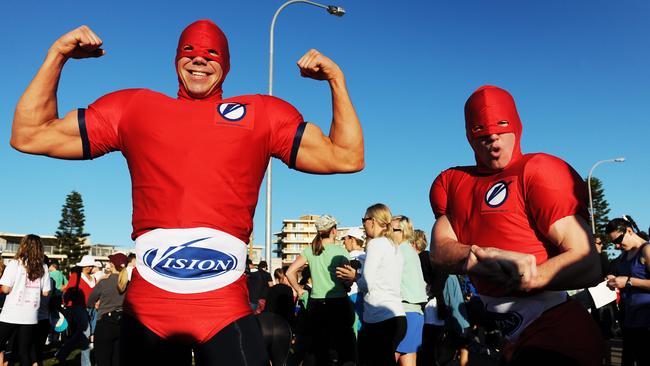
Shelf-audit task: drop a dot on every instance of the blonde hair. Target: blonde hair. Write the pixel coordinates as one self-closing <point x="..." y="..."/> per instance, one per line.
<point x="382" y="216"/>
<point x="419" y="240"/>
<point x="406" y="226"/>
<point x="122" y="280"/>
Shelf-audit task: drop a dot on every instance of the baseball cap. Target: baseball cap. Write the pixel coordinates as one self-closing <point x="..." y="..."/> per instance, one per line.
<point x="119" y="260"/>
<point x="357" y="233"/>
<point x="325" y="222"/>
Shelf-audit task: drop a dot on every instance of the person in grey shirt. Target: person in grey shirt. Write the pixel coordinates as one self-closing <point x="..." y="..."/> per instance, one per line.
<point x="110" y="295"/>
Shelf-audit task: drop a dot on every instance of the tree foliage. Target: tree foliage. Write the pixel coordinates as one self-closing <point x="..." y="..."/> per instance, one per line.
<point x="601" y="209"/>
<point x="70" y="233"/>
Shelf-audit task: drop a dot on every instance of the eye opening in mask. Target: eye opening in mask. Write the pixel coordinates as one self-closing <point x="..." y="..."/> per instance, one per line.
<point x="213" y="52"/>
<point x="503" y="123"/>
<point x="188" y="47"/>
<point x="477" y="128"/>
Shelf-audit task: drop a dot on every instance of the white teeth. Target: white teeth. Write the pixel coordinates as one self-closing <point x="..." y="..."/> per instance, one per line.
<point x="198" y="73"/>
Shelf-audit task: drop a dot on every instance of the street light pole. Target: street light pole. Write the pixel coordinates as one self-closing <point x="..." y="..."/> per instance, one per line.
<point x="334" y="10"/>
<point x="591" y="202"/>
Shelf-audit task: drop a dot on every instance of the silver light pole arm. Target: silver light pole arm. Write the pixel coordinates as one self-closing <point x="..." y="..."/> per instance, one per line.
<point x="334" y="10"/>
<point x="591" y="202"/>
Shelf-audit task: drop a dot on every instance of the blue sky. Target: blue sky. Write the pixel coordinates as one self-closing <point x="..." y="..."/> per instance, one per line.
<point x="578" y="71"/>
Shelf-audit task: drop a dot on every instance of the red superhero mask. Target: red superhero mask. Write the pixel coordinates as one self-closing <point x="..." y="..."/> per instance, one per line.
<point x="203" y="36"/>
<point x="487" y="106"/>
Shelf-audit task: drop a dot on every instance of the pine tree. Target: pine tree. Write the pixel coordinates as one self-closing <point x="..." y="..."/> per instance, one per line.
<point x="601" y="209"/>
<point x="70" y="233"/>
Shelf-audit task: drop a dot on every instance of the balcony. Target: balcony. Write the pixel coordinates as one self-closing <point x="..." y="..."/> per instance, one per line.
<point x="291" y="251"/>
<point x="13" y="248"/>
<point x="297" y="241"/>
<point x="299" y="230"/>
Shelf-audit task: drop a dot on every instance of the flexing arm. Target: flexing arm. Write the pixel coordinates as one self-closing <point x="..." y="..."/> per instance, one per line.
<point x="37" y="128"/>
<point x="341" y="151"/>
<point x="577" y="265"/>
<point x="497" y="266"/>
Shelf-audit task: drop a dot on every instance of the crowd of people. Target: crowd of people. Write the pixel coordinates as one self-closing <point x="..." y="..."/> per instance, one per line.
<point x="367" y="301"/>
<point x="42" y="306"/>
<point x="197" y="162"/>
<point x="366" y="297"/>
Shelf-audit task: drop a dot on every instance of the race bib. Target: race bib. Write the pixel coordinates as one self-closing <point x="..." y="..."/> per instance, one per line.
<point x="190" y="260"/>
<point x="512" y="315"/>
<point x="30" y="296"/>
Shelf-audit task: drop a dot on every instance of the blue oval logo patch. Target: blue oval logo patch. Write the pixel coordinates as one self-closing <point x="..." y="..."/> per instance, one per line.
<point x="188" y="262"/>
<point x="497" y="194"/>
<point x="232" y="111"/>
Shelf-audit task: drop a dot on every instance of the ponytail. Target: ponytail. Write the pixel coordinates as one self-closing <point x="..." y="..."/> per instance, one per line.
<point x="631" y="222"/>
<point x="122" y="280"/>
<point x="382" y="216"/>
<point x="389" y="233"/>
<point x="317" y="244"/>
<point x="621" y="224"/>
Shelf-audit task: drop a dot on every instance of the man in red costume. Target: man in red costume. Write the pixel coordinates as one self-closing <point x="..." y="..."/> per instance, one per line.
<point x="516" y="224"/>
<point x="196" y="164"/>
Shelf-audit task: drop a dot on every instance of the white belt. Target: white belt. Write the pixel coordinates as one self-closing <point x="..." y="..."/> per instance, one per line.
<point x="190" y="260"/>
<point x="513" y="314"/>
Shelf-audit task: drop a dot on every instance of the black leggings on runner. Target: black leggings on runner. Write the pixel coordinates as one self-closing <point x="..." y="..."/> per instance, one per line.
<point x="378" y="341"/>
<point x="24" y="337"/>
<point x="239" y="343"/>
<point x="277" y="337"/>
<point x="331" y="322"/>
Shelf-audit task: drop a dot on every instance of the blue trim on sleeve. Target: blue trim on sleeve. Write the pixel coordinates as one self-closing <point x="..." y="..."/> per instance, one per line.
<point x="296" y="144"/>
<point x="85" y="143"/>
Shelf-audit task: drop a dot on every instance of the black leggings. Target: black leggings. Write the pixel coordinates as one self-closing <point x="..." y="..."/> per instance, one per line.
<point x="277" y="337"/>
<point x="239" y="343"/>
<point x="41" y="332"/>
<point x="107" y="339"/>
<point x="378" y="341"/>
<point x="331" y="322"/>
<point x="24" y="337"/>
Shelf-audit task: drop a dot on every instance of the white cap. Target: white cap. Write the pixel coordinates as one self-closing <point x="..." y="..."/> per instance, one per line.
<point x="86" y="261"/>
<point x="357" y="233"/>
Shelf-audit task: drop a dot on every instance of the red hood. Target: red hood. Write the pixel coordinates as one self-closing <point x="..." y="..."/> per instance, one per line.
<point x="203" y="35"/>
<point x="487" y="106"/>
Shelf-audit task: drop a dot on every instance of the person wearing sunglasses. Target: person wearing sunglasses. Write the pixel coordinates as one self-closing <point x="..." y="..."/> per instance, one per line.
<point x="384" y="321"/>
<point x="413" y="290"/>
<point x="633" y="282"/>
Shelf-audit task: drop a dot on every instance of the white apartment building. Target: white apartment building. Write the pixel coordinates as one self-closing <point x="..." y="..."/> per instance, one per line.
<point x="296" y="235"/>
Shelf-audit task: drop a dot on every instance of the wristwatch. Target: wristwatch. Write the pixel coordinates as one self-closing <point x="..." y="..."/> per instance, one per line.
<point x="628" y="283"/>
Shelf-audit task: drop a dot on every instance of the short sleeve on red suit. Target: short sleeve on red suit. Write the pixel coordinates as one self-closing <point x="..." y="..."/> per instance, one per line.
<point x="554" y="190"/>
<point x="98" y="124"/>
<point x="438" y="195"/>
<point x="287" y="127"/>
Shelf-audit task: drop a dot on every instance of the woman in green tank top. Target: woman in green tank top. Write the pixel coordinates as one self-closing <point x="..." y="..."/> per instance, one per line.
<point x="330" y="313"/>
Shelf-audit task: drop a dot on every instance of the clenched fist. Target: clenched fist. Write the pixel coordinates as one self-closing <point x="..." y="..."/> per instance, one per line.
<point x="315" y="65"/>
<point x="79" y="43"/>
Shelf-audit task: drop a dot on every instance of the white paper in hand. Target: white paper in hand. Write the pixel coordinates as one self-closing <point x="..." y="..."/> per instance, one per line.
<point x="601" y="294"/>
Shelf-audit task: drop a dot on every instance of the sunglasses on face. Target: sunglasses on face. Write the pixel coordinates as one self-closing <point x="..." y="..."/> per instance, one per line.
<point x="619" y="239"/>
<point x="363" y="220"/>
<point x="397" y="229"/>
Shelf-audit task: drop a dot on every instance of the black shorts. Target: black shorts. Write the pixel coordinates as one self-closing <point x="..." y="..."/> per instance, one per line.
<point x="239" y="343"/>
